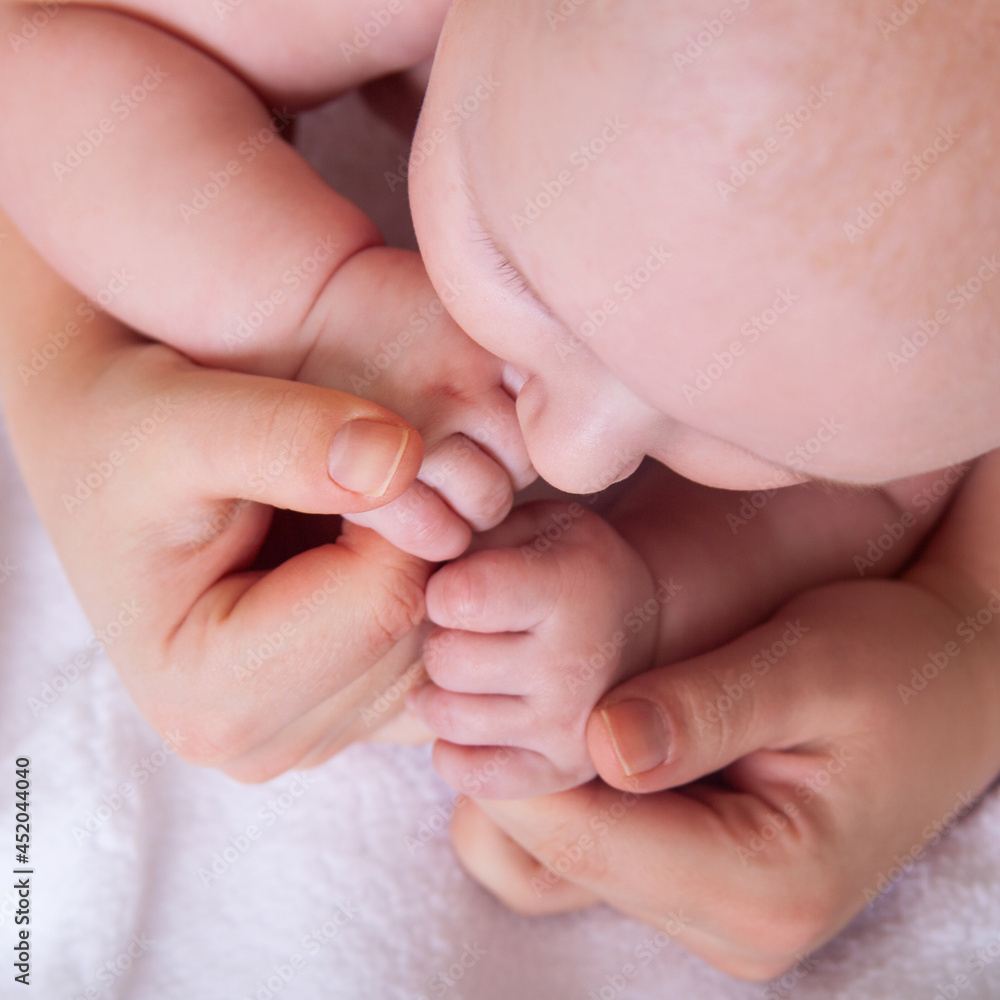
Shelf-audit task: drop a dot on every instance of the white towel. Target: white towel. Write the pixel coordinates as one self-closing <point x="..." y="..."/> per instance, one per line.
<point x="154" y="880"/>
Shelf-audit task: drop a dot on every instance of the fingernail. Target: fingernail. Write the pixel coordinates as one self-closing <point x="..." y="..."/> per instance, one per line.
<point x="365" y="455"/>
<point x="639" y="735"/>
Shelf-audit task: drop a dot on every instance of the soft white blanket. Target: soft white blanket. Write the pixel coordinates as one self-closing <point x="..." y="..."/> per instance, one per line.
<point x="155" y="880"/>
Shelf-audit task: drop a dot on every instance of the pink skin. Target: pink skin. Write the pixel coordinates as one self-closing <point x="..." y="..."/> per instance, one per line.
<point x="743" y="337"/>
<point x="591" y="406"/>
<point x="192" y="183"/>
<point x="532" y="629"/>
<point x="817" y="394"/>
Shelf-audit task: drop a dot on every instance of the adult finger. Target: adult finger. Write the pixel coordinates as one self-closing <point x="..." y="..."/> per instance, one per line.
<point x="258" y="651"/>
<point x="673" y="859"/>
<point x="271" y="441"/>
<point x="151" y="512"/>
<point x="786" y="682"/>
<point x="240" y="436"/>
<point x="499" y="863"/>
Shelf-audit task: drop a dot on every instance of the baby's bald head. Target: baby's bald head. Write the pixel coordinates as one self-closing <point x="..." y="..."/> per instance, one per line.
<point x="733" y="236"/>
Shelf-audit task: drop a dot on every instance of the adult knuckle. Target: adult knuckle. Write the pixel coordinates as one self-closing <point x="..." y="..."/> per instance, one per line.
<point x="280" y="423"/>
<point x="795" y="903"/>
<point x="695" y="731"/>
<point x="518" y="895"/>
<point x="208" y="739"/>
<point x="397" y="609"/>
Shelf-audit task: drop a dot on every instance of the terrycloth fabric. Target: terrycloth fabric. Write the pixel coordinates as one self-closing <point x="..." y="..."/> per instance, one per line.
<point x="158" y="881"/>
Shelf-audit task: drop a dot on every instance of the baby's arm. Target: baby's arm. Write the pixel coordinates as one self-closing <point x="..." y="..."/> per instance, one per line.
<point x="145" y="151"/>
<point x="150" y="172"/>
<point x="564" y="606"/>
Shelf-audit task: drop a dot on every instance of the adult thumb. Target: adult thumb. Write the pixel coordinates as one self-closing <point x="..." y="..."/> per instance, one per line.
<point x="280" y="443"/>
<point x="675" y="724"/>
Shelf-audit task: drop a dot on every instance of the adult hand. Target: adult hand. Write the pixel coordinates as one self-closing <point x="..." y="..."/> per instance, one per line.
<point x="812" y="761"/>
<point x="157" y="480"/>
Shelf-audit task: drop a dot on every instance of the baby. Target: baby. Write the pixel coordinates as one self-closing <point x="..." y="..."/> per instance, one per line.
<point x="757" y="269"/>
<point x="715" y="236"/>
<point x="675" y="312"/>
<point x="152" y="175"/>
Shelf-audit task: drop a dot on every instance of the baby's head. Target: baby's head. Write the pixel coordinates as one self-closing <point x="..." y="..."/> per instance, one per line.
<point x="754" y="244"/>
